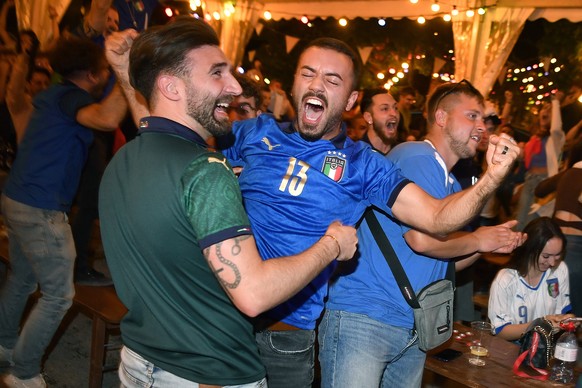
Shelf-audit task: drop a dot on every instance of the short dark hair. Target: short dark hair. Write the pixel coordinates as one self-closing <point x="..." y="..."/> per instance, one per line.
<point x="443" y="92"/>
<point x="164" y="49"/>
<point x="406" y="91"/>
<point x="72" y="55"/>
<point x="40" y="70"/>
<point x="493" y="118"/>
<point x="368" y="96"/>
<point x="342" y="48"/>
<point x="250" y="89"/>
<point x="539" y="232"/>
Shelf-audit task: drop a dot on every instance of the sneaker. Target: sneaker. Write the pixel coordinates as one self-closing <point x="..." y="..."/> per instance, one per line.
<point x="5" y="357"/>
<point x="92" y="278"/>
<point x="12" y="381"/>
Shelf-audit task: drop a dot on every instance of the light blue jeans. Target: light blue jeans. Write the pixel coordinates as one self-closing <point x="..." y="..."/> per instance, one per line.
<point x="137" y="372"/>
<point x="289" y="357"/>
<point x="41" y="252"/>
<point x="357" y="351"/>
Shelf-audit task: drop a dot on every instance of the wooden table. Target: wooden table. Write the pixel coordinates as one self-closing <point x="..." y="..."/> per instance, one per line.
<point x="496" y="373"/>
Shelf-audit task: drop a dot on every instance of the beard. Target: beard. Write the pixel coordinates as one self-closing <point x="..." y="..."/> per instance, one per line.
<point x="313" y="132"/>
<point x="388" y="140"/>
<point x="201" y="108"/>
<point x="459" y="147"/>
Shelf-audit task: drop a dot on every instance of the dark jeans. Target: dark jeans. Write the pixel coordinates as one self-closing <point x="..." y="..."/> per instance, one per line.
<point x="288" y="356"/>
<point x="573" y="259"/>
<point x="88" y="198"/>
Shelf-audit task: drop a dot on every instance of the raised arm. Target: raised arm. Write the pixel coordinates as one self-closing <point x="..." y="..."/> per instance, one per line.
<point x="5" y="68"/>
<point x="428" y="214"/>
<point x="105" y="115"/>
<point x="506" y="112"/>
<point x="95" y="22"/>
<point x="256" y="286"/>
<point x="573" y="134"/>
<point x="56" y="32"/>
<point x="117" y="48"/>
<point x="16" y="100"/>
<point x="9" y="42"/>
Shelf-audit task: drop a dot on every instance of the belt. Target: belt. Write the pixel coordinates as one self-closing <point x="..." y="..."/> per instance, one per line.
<point x="268" y="324"/>
<point x="281" y="326"/>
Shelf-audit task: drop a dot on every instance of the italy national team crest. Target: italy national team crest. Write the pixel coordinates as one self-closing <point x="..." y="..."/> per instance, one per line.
<point x="334" y="165"/>
<point x="553" y="287"/>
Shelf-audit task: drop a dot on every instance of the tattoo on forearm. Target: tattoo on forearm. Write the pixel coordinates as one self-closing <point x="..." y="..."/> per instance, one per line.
<point x="235" y="251"/>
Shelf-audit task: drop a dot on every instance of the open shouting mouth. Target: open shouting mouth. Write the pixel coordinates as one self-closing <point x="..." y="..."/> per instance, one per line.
<point x="313" y="109"/>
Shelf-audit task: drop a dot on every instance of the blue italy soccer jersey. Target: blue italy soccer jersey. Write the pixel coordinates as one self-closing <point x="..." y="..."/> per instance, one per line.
<point x="293" y="189"/>
<point x="368" y="286"/>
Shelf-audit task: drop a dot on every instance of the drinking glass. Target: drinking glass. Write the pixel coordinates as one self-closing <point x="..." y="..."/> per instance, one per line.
<point x="481" y="340"/>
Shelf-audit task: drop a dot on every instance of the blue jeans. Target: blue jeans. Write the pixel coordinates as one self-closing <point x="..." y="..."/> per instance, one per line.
<point x="357" y="351"/>
<point x="137" y="372"/>
<point x="289" y="357"/>
<point x="41" y="252"/>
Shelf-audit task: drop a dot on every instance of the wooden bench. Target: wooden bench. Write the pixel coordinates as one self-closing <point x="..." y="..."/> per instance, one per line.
<point x="103" y="306"/>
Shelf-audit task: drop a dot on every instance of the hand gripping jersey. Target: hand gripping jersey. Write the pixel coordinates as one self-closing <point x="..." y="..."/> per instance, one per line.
<point x="293" y="189"/>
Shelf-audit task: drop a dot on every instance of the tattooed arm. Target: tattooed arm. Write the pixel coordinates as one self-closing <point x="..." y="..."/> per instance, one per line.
<point x="256" y="286"/>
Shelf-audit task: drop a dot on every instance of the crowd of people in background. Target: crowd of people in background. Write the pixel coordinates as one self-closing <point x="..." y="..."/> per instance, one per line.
<point x="447" y="174"/>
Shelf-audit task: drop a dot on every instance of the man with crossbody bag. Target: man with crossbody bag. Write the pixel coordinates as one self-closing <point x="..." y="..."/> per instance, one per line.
<point x="367" y="337"/>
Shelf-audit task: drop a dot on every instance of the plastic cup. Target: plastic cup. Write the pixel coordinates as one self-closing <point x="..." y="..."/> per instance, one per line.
<point x="482" y="334"/>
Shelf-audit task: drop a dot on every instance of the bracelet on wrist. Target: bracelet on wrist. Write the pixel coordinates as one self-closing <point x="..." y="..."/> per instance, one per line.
<point x="339" y="249"/>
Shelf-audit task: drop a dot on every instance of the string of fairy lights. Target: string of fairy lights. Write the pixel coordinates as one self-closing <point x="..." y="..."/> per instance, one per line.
<point x="535" y="80"/>
<point x="227" y="9"/>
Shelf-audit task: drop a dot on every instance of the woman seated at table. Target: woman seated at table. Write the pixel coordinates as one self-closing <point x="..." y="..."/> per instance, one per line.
<point x="535" y="284"/>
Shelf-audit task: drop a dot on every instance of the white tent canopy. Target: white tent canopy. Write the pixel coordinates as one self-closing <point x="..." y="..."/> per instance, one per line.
<point x="482" y="42"/>
<point x="552" y="10"/>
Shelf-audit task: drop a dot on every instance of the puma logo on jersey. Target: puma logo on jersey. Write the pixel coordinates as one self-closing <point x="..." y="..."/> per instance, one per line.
<point x="268" y="143"/>
<point x="217" y="160"/>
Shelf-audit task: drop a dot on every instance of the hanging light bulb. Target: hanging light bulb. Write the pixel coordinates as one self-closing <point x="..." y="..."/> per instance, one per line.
<point x="470" y="13"/>
<point x="343" y="22"/>
<point x="228" y="8"/>
<point x="304" y="19"/>
<point x="435" y="7"/>
<point x="421" y="20"/>
<point x="447" y="17"/>
<point x="382" y="22"/>
<point x="267" y="15"/>
<point x="455" y="11"/>
<point x="481" y="11"/>
<point x="414" y="1"/>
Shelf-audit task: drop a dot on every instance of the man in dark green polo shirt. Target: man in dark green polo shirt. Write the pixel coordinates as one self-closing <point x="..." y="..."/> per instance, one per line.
<point x="178" y="242"/>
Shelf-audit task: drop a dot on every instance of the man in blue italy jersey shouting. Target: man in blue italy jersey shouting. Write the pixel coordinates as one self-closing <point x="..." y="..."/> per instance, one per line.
<point x="297" y="176"/>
